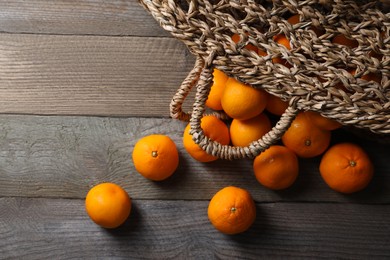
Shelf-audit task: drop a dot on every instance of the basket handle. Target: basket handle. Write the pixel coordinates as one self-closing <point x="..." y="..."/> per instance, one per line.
<point x="227" y="151"/>
<point x="176" y="105"/>
<point x="192" y="78"/>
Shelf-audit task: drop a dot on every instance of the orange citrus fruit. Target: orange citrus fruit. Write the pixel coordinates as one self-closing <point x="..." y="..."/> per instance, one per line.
<point x="346" y="168"/>
<point x="322" y="122"/>
<point x="236" y="38"/>
<point x="372" y="77"/>
<point x="155" y="157"/>
<point x="243" y="132"/>
<point x="306" y="139"/>
<point x="276" y="168"/>
<point x="294" y="19"/>
<point x="213" y="128"/>
<point x="251" y="47"/>
<point x="282" y="39"/>
<point x="242" y="101"/>
<point x="108" y="205"/>
<point x="375" y="54"/>
<point x="261" y="52"/>
<point x="232" y="210"/>
<point x="343" y="40"/>
<point x="214" y="98"/>
<point x="341" y="85"/>
<point x="276" y="105"/>
<point x="368" y="77"/>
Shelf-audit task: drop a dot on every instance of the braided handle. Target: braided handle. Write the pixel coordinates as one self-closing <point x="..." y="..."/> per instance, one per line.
<point x="176" y="105"/>
<point x="226" y="151"/>
<point x="176" y="110"/>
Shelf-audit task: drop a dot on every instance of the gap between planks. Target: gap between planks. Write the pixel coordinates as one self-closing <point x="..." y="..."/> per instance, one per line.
<point x="61" y="229"/>
<point x="63" y="157"/>
<point x="85" y="75"/>
<point x="83" y="17"/>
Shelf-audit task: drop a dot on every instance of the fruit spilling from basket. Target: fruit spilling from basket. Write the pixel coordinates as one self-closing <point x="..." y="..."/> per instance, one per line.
<point x="313" y="65"/>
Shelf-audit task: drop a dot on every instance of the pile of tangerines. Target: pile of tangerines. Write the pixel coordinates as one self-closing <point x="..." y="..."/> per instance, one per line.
<point x="345" y="167"/>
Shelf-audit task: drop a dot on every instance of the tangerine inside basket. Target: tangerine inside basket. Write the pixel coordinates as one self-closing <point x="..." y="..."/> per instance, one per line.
<point x="332" y="57"/>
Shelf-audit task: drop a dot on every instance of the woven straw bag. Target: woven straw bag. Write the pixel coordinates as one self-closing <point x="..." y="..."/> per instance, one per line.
<point x="206" y="27"/>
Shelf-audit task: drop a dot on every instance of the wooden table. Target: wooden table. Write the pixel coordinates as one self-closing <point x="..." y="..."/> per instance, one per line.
<point x="80" y="83"/>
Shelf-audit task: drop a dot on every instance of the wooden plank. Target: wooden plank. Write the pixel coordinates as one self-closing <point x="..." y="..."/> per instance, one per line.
<point x="118" y="76"/>
<point x="60" y="229"/>
<point x="86" y="17"/>
<point x="65" y="156"/>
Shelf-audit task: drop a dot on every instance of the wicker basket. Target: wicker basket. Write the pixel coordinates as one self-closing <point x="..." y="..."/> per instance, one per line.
<point x="206" y="27"/>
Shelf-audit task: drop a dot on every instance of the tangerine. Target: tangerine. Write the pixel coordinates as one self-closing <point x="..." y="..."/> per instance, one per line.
<point x="322" y="122"/>
<point x="372" y="77"/>
<point x="214" y="98"/>
<point x="213" y="128"/>
<point x="369" y="76"/>
<point x="282" y="39"/>
<point x="232" y="210"/>
<point x="155" y="157"/>
<point x="276" y="105"/>
<point x="343" y="40"/>
<point x="243" y="132"/>
<point x="108" y="205"/>
<point x="236" y="38"/>
<point x="242" y="101"/>
<point x="276" y="168"/>
<point x="346" y="168"/>
<point x="306" y="139"/>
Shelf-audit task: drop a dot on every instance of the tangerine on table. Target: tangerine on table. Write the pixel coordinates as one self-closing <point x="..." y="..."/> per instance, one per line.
<point x="232" y="210"/>
<point x="214" y="98"/>
<point x="276" y="168"/>
<point x="155" y="157"/>
<point x="322" y="122"/>
<point x="306" y="139"/>
<point x="108" y="205"/>
<point x="276" y="105"/>
<point x="243" y="132"/>
<point x="241" y="101"/>
<point x="346" y="168"/>
<point x="213" y="128"/>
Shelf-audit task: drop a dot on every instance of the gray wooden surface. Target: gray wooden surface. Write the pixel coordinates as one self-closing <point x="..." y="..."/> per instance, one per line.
<point x="80" y="83"/>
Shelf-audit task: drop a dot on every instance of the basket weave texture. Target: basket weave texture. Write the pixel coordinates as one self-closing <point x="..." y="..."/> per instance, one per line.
<point x="315" y="66"/>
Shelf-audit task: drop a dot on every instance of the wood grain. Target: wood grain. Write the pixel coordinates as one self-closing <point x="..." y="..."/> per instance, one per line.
<point x="62" y="157"/>
<point x="85" y="75"/>
<point x="109" y="59"/>
<point x="83" y="17"/>
<point x="60" y="229"/>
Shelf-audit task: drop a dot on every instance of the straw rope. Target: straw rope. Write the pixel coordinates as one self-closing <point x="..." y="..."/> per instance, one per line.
<point x="316" y="66"/>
